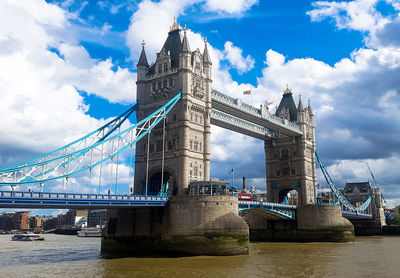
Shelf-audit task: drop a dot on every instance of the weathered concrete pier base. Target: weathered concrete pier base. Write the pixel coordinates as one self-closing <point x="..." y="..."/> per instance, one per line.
<point x="189" y="225"/>
<point x="313" y="224"/>
<point x="323" y="223"/>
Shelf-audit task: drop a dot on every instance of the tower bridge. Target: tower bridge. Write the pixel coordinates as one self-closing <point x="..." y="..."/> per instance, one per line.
<point x="175" y="110"/>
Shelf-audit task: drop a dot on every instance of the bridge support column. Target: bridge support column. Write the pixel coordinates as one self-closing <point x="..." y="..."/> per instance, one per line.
<point x="190" y="225"/>
<point x="313" y="224"/>
<point x="323" y="223"/>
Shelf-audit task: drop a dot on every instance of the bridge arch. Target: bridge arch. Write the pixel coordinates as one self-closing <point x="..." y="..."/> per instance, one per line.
<point x="155" y="178"/>
<point x="289" y="195"/>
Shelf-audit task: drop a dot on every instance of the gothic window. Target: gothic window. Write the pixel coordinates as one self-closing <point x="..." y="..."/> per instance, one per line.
<point x="195" y="171"/>
<point x="153" y="86"/>
<point x="159" y="68"/>
<point x="191" y="146"/>
<point x="200" y="148"/>
<point x="196" y="145"/>
<point x="191" y="117"/>
<point x="200" y="119"/>
<point x="165" y="67"/>
<point x="165" y="83"/>
<point x="171" y="82"/>
<point x="200" y="166"/>
<point x="285" y="171"/>
<point x="285" y="153"/>
<point x="196" y="118"/>
<point x="159" y="145"/>
<point x="159" y="84"/>
<point x="174" y="117"/>
<point x="197" y="66"/>
<point x="151" y="148"/>
<point x="170" y="145"/>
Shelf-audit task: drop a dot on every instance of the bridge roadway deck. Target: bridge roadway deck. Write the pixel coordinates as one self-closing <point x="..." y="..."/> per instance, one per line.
<point x="241" y="110"/>
<point x="50" y="200"/>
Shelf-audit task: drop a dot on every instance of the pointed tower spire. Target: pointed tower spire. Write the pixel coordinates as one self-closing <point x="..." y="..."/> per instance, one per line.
<point x="309" y="106"/>
<point x="206" y="56"/>
<point x="185" y="44"/>
<point x="143" y="59"/>
<point x="300" y="106"/>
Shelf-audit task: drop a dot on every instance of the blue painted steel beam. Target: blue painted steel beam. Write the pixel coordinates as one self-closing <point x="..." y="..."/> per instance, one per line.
<point x="18" y="199"/>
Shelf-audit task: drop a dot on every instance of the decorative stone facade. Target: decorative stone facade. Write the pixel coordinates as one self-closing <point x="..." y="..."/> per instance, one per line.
<point x="290" y="161"/>
<point x="187" y="126"/>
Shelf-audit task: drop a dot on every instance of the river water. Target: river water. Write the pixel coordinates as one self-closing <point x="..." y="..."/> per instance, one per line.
<point x="70" y="256"/>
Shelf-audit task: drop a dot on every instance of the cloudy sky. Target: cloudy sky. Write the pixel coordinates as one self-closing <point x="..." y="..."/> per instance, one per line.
<point x="67" y="66"/>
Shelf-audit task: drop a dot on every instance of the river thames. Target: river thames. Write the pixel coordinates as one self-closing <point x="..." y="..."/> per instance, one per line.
<point x="70" y="256"/>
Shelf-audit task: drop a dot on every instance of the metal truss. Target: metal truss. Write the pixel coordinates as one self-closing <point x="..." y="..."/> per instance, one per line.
<point x="85" y="153"/>
<point x="288" y="211"/>
<point x="342" y="200"/>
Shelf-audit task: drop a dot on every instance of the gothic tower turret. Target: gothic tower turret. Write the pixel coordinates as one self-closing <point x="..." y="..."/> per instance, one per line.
<point x="187" y="127"/>
<point x="290" y="161"/>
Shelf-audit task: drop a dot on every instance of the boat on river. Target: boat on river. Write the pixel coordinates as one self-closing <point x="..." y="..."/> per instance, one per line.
<point x="90" y="232"/>
<point x="27" y="237"/>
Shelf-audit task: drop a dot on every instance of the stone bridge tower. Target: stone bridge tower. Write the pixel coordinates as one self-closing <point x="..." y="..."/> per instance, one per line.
<point x="290" y="161"/>
<point x="187" y="127"/>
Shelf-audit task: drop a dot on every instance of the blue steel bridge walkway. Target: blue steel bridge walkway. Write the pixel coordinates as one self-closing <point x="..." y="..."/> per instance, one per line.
<point x="50" y="200"/>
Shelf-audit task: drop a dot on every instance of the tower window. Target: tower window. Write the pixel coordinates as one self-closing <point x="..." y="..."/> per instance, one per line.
<point x="160" y="68"/>
<point x="285" y="153"/>
<point x="159" y="145"/>
<point x="165" y="83"/>
<point x="170" y="145"/>
<point x="159" y="84"/>
<point x="174" y="117"/>
<point x="153" y="86"/>
<point x="165" y="67"/>
<point x="196" y="145"/>
<point x="285" y="171"/>
<point x="171" y="82"/>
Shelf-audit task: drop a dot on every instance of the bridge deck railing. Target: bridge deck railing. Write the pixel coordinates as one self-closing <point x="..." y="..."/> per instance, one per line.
<point x="237" y="104"/>
<point x="79" y="196"/>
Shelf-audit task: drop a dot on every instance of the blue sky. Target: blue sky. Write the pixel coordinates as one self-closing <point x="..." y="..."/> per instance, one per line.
<point x="67" y="66"/>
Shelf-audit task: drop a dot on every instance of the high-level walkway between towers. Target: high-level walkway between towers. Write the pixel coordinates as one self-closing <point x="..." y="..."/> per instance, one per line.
<point x="231" y="113"/>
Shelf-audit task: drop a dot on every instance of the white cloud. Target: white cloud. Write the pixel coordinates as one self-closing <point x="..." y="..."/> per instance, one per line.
<point x="41" y="107"/>
<point x="230" y="6"/>
<point x="357" y="15"/>
<point x="235" y="57"/>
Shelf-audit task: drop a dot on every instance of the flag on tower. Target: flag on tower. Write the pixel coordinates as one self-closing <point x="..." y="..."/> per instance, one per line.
<point x="247" y="92"/>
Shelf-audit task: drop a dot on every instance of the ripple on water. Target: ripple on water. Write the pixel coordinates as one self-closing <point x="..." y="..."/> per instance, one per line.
<point x="69" y="256"/>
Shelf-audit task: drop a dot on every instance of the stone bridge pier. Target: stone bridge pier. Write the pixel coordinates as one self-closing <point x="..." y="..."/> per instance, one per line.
<point x="357" y="193"/>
